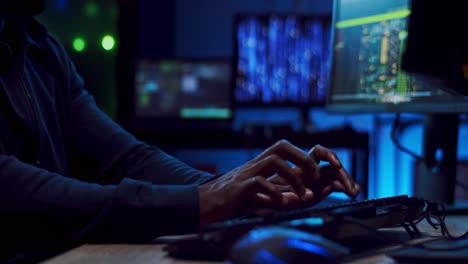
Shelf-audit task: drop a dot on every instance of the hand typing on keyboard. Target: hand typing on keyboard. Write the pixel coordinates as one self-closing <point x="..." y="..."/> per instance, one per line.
<point x="270" y="182"/>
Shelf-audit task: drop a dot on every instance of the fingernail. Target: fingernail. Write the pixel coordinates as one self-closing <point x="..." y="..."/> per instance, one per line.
<point x="339" y="164"/>
<point x="284" y="201"/>
<point x="306" y="196"/>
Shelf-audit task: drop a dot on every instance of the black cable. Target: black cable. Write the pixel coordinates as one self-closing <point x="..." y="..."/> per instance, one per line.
<point x="395" y="126"/>
<point x="435" y="214"/>
<point x="438" y="212"/>
<point x="396" y="123"/>
<point x="388" y="239"/>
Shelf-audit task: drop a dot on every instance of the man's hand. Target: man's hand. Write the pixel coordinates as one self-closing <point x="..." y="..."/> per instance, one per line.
<point x="270" y="182"/>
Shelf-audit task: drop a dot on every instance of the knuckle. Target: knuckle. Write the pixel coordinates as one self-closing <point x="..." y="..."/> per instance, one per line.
<point x="274" y="158"/>
<point x="282" y="143"/>
<point x="314" y="149"/>
<point x="308" y="159"/>
<point x="256" y="180"/>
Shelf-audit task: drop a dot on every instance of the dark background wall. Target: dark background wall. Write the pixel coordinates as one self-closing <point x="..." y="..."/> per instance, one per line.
<point x="205" y="27"/>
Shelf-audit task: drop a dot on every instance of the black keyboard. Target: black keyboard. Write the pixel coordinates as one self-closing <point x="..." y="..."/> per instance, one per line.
<point x="352" y="208"/>
<point x="215" y="240"/>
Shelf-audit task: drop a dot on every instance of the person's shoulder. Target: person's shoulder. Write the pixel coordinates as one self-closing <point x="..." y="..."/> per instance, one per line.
<point x="41" y="36"/>
<point x="52" y="50"/>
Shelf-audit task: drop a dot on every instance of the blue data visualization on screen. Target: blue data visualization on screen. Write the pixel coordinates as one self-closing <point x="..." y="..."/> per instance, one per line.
<point x="281" y="59"/>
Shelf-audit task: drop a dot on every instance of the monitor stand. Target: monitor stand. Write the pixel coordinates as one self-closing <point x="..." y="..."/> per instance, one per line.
<point x="437" y="170"/>
<point x="308" y="124"/>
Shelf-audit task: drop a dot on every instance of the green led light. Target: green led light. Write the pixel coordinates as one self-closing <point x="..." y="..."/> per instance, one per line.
<point x="108" y="42"/>
<point x="91" y="9"/>
<point x="79" y="44"/>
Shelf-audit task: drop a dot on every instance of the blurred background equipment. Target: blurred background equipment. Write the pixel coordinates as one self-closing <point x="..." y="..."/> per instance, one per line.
<point x="88" y="30"/>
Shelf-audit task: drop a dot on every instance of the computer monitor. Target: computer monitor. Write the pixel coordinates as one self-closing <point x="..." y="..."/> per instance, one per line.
<point x="448" y="48"/>
<point x="281" y="60"/>
<point x="369" y="39"/>
<point x="182" y="89"/>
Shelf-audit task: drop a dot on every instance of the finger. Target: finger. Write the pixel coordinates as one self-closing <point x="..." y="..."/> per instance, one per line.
<point x="259" y="184"/>
<point x="289" y="201"/>
<point x="320" y="153"/>
<point x="309" y="179"/>
<point x="336" y="186"/>
<point x="285" y="188"/>
<point x="324" y="178"/>
<point x="288" y="151"/>
<point x="276" y="179"/>
<point x="320" y="196"/>
<point x="328" y="174"/>
<point x="264" y="212"/>
<point x="275" y="164"/>
<point x="355" y="188"/>
<point x="324" y="192"/>
<point x="308" y="196"/>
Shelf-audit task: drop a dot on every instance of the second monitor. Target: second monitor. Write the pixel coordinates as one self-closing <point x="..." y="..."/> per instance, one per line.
<point x="177" y="89"/>
<point x="281" y="59"/>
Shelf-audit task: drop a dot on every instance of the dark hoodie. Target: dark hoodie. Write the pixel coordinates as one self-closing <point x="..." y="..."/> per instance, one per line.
<point x="68" y="173"/>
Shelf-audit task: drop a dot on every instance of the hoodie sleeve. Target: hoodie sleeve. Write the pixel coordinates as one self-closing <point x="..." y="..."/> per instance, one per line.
<point x="40" y="208"/>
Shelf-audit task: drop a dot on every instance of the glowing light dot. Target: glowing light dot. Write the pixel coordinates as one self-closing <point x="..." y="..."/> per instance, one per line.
<point x="79" y="44"/>
<point x="108" y="42"/>
<point x="91" y="9"/>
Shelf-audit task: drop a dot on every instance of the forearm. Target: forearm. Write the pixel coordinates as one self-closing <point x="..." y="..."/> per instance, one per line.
<point x="97" y="141"/>
<point x="140" y="212"/>
<point x="42" y="208"/>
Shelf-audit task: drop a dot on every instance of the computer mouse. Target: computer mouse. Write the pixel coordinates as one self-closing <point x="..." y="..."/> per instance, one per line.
<point x="279" y="244"/>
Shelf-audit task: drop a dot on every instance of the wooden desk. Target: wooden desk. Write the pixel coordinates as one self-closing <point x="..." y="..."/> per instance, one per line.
<point x="152" y="253"/>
